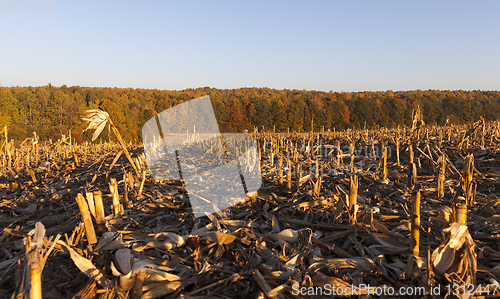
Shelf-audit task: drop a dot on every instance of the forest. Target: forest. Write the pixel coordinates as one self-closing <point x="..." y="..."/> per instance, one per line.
<point x="52" y="111"/>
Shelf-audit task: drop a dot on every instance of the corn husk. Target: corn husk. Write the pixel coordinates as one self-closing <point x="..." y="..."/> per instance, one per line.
<point x="455" y="260"/>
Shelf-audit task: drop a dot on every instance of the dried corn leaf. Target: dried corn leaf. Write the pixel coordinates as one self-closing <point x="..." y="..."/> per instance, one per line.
<point x="276" y="291"/>
<point x="220" y="238"/>
<point x="292" y="263"/>
<point x="124" y="260"/>
<point x="275" y="225"/>
<point x="114" y="270"/>
<point x="282" y="274"/>
<point x="206" y="267"/>
<point x="127" y="281"/>
<point x="157" y="275"/>
<point x="162" y="290"/>
<point x="87" y="267"/>
<point x="110" y="241"/>
<point x="314" y="203"/>
<point x="289" y="235"/>
<point x="142" y="265"/>
<point x="171" y="240"/>
<point x="443" y="256"/>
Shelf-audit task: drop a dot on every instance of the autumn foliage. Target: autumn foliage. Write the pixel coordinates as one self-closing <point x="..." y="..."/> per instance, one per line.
<point x="51" y="111"/>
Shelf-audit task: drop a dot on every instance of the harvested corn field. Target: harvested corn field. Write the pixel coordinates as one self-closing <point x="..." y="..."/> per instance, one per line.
<point x="373" y="213"/>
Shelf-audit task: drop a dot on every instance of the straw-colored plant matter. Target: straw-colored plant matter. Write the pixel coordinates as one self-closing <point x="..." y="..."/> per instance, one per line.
<point x="415" y="224"/>
<point x="455" y="261"/>
<point x="98" y="120"/>
<point x="335" y="208"/>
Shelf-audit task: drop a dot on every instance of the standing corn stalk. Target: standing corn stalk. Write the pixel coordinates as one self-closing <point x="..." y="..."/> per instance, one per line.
<point x="461" y="212"/>
<point x="382" y="166"/>
<point x="113" y="187"/>
<point x="97" y="120"/>
<point x="37" y="253"/>
<point x="299" y="172"/>
<point x="99" y="212"/>
<point x="398" y="163"/>
<point x="281" y="170"/>
<point x="415" y="224"/>
<point x="353" y="198"/>
<point x="412" y="155"/>
<point x="417" y="124"/>
<point x="339" y="156"/>
<point x="468" y="179"/>
<point x="351" y="165"/>
<point x="412" y="170"/>
<point x="289" y="174"/>
<point x="87" y="220"/>
<point x="384" y="169"/>
<point x="412" y="175"/>
<point x="317" y="181"/>
<point x="441" y="176"/>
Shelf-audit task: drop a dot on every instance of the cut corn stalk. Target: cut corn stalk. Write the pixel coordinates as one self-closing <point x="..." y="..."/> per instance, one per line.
<point x="353" y="198"/>
<point x="461" y="213"/>
<point x="37" y="254"/>
<point x="117" y="207"/>
<point x="99" y="212"/>
<point x="415" y="224"/>
<point x="87" y="221"/>
<point x="468" y="179"/>
<point x="441" y="177"/>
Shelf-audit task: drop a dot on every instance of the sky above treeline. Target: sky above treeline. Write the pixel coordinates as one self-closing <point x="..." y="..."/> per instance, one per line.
<point x="312" y="45"/>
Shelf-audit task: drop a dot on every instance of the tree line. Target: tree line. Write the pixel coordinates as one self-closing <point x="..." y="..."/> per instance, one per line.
<point x="51" y="111"/>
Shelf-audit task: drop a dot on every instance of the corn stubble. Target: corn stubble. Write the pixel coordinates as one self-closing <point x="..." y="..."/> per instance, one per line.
<point x="389" y="207"/>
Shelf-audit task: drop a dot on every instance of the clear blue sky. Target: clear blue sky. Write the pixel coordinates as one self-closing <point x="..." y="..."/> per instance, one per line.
<point x="313" y="45"/>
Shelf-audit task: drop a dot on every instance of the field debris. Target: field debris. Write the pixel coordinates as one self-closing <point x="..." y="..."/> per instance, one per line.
<point x="388" y="208"/>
